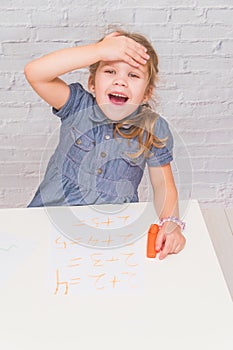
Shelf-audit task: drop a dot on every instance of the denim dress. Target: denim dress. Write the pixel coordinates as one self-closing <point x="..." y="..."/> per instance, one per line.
<point x="90" y="165"/>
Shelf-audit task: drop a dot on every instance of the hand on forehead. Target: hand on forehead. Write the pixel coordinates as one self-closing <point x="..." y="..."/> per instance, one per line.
<point x="121" y="64"/>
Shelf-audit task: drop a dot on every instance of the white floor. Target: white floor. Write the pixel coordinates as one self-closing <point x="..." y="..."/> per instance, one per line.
<point x="219" y="222"/>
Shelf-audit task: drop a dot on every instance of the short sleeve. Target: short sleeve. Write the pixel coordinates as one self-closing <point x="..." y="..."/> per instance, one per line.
<point x="164" y="155"/>
<point x="78" y="99"/>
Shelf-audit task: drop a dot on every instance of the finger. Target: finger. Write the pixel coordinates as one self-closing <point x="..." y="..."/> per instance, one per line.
<point x="137" y="57"/>
<point x="177" y="249"/>
<point x="166" y="250"/>
<point x="174" y="246"/>
<point x="160" y="240"/>
<point x="137" y="50"/>
<point x="136" y="46"/>
<point x="111" y="35"/>
<point x="130" y="61"/>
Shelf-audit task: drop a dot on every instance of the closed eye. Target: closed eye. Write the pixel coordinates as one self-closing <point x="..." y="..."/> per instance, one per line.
<point x="133" y="75"/>
<point x="109" y="71"/>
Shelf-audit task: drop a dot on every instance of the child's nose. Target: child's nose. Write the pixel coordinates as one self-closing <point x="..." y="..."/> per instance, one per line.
<point x="121" y="81"/>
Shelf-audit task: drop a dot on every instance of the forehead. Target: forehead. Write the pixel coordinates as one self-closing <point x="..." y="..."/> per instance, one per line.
<point x="121" y="65"/>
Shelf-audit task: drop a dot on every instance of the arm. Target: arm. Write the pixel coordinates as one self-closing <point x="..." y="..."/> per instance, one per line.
<point x="170" y="239"/>
<point x="43" y="73"/>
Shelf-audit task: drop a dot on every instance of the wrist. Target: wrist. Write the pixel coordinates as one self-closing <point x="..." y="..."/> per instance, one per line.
<point x="171" y="222"/>
<point x="99" y="50"/>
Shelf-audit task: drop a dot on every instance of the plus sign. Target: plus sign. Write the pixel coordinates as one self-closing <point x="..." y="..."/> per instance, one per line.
<point x="114" y="281"/>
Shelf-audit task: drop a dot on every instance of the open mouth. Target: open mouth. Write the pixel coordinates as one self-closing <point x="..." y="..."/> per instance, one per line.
<point x="117" y="98"/>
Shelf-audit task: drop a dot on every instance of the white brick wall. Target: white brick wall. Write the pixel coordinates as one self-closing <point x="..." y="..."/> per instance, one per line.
<point x="194" y="41"/>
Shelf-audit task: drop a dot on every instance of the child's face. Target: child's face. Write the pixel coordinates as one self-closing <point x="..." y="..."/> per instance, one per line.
<point x="120" y="88"/>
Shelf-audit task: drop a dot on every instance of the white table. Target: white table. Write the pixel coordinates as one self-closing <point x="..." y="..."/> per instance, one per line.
<point x="184" y="303"/>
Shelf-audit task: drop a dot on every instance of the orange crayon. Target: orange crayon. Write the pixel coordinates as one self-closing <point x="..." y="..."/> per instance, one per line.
<point x="151" y="239"/>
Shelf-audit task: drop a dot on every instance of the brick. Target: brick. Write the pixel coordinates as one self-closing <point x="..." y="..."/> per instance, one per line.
<point x="223" y="163"/>
<point x="198" y="163"/>
<point x="193" y="137"/>
<point x="17" y="97"/>
<point x="220" y="16"/>
<point x="207" y="94"/>
<point x="170" y="64"/>
<point x="17" y="197"/>
<point x="34" y="128"/>
<point x="119" y="15"/>
<point x="226" y="134"/>
<point x="23" y="141"/>
<point x="163" y="47"/>
<point x="230" y="107"/>
<point x="22" y="127"/>
<point x="159" y="3"/>
<point x="183" y="163"/>
<point x="214" y="3"/>
<point x="6" y="80"/>
<point x="174" y="110"/>
<point x="11" y="168"/>
<point x="79" y="4"/>
<point x="13" y="65"/>
<point x="31" y="50"/>
<point x="184" y="80"/>
<point x="184" y="49"/>
<point x="206" y="108"/>
<point x="26" y="155"/>
<point x="150" y="15"/>
<point x="16" y="34"/>
<point x="32" y="167"/>
<point x="187" y="16"/>
<point x="204" y="191"/>
<point x="210" y="32"/>
<point x="210" y="64"/>
<point x="166" y="81"/>
<point x="48" y="18"/>
<point x="210" y="149"/>
<point x="9" y="114"/>
<point x="42" y="113"/>
<point x="227" y="47"/>
<point x="213" y="176"/>
<point x="156" y="32"/>
<point x="216" y="78"/>
<point x="19" y="82"/>
<point x="58" y="34"/>
<point x="15" y="17"/>
<point x="199" y="122"/>
<point x="88" y="15"/>
<point x="6" y="154"/>
<point x="16" y="4"/>
<point x="170" y="95"/>
<point x="12" y="181"/>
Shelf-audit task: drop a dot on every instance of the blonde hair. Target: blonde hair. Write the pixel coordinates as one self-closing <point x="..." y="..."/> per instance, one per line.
<point x="138" y="126"/>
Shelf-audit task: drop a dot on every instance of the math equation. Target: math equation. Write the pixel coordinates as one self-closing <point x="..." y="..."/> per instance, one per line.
<point x="76" y="269"/>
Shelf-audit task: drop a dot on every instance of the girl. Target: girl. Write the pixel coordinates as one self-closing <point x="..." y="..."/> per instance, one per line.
<point x="108" y="134"/>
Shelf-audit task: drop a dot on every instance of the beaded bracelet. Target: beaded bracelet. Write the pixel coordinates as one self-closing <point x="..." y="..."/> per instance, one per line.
<point x="172" y="219"/>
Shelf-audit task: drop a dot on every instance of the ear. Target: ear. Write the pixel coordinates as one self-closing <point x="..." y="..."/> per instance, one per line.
<point x="91" y="85"/>
<point x="148" y="93"/>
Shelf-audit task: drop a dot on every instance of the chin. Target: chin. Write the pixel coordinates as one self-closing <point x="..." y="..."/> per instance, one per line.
<point x="117" y="113"/>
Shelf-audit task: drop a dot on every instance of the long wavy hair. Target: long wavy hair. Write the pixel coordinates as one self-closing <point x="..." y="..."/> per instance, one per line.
<point x="143" y="124"/>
